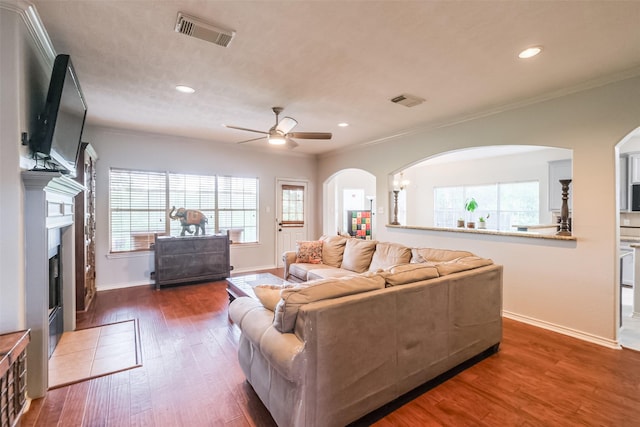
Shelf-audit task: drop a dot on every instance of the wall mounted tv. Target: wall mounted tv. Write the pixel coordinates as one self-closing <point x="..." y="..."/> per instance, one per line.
<point x="56" y="142"/>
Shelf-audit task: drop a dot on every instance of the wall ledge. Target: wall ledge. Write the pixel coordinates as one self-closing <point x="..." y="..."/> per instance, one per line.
<point x="476" y="231"/>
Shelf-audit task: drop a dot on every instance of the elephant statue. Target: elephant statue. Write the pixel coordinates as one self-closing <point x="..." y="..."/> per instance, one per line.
<point x="189" y="217"/>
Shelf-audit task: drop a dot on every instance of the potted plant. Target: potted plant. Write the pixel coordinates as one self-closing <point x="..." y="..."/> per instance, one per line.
<point x="461" y="222"/>
<point x="471" y="205"/>
<point x="482" y="221"/>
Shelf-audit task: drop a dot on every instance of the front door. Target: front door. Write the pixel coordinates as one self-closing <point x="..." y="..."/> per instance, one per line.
<point x="291" y="215"/>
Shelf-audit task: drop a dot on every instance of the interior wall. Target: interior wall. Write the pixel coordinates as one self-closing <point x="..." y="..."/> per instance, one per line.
<point x="528" y="166"/>
<point x="118" y="148"/>
<point x="571" y="287"/>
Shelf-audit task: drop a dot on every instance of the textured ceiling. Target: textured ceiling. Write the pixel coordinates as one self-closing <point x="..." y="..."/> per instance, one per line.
<point x="327" y="62"/>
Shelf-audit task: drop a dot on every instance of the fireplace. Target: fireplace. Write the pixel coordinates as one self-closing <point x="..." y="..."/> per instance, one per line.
<point x="50" y="268"/>
<point x="56" y="314"/>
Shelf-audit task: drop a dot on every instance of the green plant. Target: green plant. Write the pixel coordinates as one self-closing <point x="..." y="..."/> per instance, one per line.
<point x="483" y="219"/>
<point x="471" y="205"/>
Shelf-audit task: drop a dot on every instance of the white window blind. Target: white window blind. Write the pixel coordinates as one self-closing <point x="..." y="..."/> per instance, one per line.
<point x="137" y="208"/>
<point x="238" y="207"/>
<point x="140" y="202"/>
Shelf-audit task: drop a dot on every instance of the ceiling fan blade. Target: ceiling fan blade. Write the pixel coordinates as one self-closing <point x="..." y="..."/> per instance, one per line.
<point x="249" y="140"/>
<point x="291" y="143"/>
<point x="249" y="130"/>
<point x="310" y="135"/>
<point x="286" y="124"/>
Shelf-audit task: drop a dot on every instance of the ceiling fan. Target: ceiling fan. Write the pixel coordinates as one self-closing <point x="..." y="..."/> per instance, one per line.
<point x="281" y="134"/>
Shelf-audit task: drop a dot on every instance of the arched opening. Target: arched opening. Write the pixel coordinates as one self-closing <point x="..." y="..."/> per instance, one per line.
<point x="349" y="190"/>
<point x="628" y="202"/>
<point x="511" y="186"/>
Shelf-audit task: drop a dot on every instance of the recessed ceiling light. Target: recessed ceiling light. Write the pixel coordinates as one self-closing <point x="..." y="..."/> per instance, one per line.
<point x="343" y="124"/>
<point x="530" y="52"/>
<point x="185" y="89"/>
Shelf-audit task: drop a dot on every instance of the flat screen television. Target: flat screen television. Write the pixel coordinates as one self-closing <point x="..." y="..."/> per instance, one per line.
<point x="57" y="139"/>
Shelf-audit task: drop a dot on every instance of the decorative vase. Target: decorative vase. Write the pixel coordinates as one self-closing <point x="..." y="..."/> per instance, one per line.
<point x="482" y="224"/>
<point x="471" y="224"/>
<point x="461" y="223"/>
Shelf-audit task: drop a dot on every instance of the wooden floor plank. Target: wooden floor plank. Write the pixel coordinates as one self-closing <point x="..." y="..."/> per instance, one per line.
<point x="191" y="377"/>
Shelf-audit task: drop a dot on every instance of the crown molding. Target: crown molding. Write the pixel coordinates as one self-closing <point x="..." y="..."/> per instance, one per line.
<point x="31" y="18"/>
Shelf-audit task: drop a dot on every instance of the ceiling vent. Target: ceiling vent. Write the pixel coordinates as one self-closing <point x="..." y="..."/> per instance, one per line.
<point x="407" y="100"/>
<point x="194" y="27"/>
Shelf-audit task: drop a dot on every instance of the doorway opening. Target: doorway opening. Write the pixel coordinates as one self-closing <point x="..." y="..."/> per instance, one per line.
<point x="346" y="192"/>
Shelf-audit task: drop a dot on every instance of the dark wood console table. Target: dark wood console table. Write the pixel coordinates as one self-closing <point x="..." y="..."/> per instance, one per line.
<point x="191" y="259"/>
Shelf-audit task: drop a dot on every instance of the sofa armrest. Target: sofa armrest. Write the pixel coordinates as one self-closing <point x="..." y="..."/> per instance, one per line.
<point x="288" y="258"/>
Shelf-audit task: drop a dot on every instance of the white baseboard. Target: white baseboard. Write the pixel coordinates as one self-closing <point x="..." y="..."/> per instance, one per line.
<point x="584" y="336"/>
<point x="113" y="286"/>
<point x="123" y="285"/>
<point x="252" y="269"/>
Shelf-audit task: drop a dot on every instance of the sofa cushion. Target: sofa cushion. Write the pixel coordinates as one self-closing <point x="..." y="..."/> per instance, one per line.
<point x="329" y="273"/>
<point x="269" y="295"/>
<point x="305" y="293"/>
<point x="357" y="254"/>
<point x="389" y="254"/>
<point x="332" y="250"/>
<point x="436" y="255"/>
<point x="462" y="264"/>
<point x="309" y="251"/>
<point x="301" y="270"/>
<point x="409" y="273"/>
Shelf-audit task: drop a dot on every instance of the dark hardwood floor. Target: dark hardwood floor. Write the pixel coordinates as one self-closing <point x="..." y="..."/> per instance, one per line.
<point x="190" y="376"/>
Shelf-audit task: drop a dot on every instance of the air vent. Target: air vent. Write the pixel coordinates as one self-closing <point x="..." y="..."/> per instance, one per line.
<point x="407" y="100"/>
<point x="194" y="27"/>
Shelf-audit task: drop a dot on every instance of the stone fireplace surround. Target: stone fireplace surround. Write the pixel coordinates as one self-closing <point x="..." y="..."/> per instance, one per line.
<point x="48" y="211"/>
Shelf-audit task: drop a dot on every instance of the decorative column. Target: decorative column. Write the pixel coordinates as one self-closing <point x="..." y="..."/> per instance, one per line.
<point x="395" y="208"/>
<point x="564" y="211"/>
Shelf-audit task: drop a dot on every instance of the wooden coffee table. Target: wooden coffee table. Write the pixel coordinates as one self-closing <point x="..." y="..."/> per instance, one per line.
<point x="242" y="286"/>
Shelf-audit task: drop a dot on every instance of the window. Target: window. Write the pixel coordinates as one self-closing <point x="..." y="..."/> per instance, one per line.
<point x="140" y="202"/>
<point x="293" y="205"/>
<point x="506" y="204"/>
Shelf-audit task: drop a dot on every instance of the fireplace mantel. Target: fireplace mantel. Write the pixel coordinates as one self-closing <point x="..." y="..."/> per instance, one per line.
<point x="48" y="210"/>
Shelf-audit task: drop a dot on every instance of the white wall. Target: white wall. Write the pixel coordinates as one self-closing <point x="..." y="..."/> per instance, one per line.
<point x="528" y="166"/>
<point x="24" y="74"/>
<point x="571" y="287"/>
<point x="142" y="151"/>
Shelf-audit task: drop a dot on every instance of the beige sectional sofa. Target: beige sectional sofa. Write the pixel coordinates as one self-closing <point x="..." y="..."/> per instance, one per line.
<point x="356" y="335"/>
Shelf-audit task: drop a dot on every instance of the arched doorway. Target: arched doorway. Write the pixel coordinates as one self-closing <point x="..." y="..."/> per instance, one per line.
<point x="628" y="171"/>
<point x="347" y="190"/>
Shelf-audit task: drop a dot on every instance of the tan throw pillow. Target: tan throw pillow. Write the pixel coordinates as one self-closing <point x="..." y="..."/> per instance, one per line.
<point x="357" y="254"/>
<point x="309" y="252"/>
<point x="389" y="254"/>
<point x="332" y="250"/>
<point x="436" y="255"/>
<point x="409" y="273"/>
<point x="269" y="295"/>
<point x="293" y="298"/>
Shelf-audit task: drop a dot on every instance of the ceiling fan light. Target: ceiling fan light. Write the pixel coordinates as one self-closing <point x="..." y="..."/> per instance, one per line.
<point x="276" y="140"/>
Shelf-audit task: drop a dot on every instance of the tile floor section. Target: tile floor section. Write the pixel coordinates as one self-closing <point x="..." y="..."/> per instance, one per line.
<point x="630" y="333"/>
<point x="94" y="352"/>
